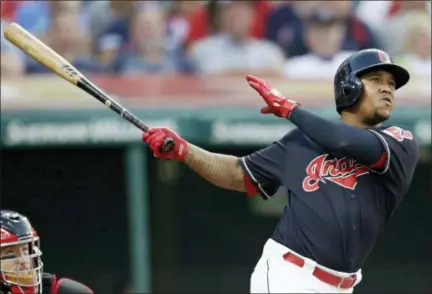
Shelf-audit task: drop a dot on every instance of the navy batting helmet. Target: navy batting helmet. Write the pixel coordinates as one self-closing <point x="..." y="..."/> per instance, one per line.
<point x="347" y="84"/>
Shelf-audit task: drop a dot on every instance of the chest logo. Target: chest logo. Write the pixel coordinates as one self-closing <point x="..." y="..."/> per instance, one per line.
<point x="341" y="171"/>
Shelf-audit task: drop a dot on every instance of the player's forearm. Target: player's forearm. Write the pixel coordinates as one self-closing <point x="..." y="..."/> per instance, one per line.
<point x="337" y="138"/>
<point x="219" y="169"/>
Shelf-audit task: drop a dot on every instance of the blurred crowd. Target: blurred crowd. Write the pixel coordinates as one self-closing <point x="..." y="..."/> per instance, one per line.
<point x="294" y="39"/>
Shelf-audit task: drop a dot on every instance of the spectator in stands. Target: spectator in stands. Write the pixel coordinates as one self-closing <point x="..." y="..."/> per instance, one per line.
<point x="416" y="51"/>
<point x="110" y="18"/>
<point x="12" y="63"/>
<point x="373" y="13"/>
<point x="391" y="32"/>
<point x="33" y="15"/>
<point x="148" y="51"/>
<point x="67" y="38"/>
<point x="324" y="34"/>
<point x="281" y="23"/>
<point x="36" y="16"/>
<point x="205" y="22"/>
<point x="100" y="15"/>
<point x="358" y="35"/>
<point x="234" y="50"/>
<point x="177" y="20"/>
<point x="107" y="52"/>
<point x="398" y="6"/>
<point x="8" y="9"/>
<point x="11" y="59"/>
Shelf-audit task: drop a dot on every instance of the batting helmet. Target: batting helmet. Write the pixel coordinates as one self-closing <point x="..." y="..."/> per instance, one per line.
<point x="347" y="84"/>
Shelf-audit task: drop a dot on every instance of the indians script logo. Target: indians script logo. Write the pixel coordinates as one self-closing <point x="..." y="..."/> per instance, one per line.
<point x="343" y="171"/>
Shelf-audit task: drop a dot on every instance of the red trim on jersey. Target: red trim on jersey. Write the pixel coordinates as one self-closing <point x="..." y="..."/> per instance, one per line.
<point x="381" y="162"/>
<point x="251" y="190"/>
<point x="53" y="284"/>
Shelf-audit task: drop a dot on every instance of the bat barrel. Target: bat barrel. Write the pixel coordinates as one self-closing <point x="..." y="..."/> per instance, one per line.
<point x="39" y="51"/>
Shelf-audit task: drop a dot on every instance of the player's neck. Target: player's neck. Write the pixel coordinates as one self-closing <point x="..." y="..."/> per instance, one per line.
<point x="353" y="120"/>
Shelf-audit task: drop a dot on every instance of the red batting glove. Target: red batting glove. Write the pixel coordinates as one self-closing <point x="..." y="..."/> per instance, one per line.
<point x="155" y="138"/>
<point x="276" y="103"/>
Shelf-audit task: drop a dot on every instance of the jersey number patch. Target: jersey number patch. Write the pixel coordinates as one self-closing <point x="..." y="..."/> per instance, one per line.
<point x="398" y="133"/>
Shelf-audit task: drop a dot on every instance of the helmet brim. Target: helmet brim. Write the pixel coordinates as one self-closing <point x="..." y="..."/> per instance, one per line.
<point x="400" y="74"/>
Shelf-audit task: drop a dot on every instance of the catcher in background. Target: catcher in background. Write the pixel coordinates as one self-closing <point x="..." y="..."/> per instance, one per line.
<point x="21" y="264"/>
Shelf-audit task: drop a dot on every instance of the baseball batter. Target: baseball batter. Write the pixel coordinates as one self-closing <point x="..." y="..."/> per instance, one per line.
<point x="344" y="179"/>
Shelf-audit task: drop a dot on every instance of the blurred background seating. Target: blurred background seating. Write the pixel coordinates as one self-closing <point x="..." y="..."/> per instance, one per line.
<point x="67" y="162"/>
<point x="126" y="37"/>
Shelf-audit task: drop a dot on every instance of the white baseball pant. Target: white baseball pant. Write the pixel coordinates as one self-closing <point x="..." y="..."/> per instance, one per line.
<point x="273" y="274"/>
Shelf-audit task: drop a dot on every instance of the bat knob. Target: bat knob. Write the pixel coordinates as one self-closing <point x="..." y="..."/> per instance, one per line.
<point x="168" y="145"/>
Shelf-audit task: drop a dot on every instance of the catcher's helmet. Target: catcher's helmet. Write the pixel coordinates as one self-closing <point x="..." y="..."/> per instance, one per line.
<point x="347" y="84"/>
<point x="21" y="265"/>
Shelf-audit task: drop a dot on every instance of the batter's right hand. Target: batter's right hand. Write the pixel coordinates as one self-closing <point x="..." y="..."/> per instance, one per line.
<point x="155" y="138"/>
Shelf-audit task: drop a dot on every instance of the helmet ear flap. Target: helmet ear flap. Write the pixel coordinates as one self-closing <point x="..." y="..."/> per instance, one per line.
<point x="351" y="91"/>
<point x="347" y="89"/>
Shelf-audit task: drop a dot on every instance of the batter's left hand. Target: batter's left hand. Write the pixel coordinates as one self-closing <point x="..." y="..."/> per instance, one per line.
<point x="155" y="137"/>
<point x="276" y="103"/>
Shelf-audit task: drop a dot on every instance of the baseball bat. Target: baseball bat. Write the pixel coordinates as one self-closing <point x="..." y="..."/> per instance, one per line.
<point x="39" y="51"/>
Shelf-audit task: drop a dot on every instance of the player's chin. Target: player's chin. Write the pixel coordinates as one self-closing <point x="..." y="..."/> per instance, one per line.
<point x="383" y="113"/>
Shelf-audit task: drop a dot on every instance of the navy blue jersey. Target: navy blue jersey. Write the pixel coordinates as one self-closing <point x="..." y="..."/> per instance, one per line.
<point x="336" y="206"/>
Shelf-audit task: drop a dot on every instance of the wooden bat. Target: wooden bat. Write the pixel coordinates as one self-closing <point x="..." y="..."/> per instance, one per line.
<point x="39" y="51"/>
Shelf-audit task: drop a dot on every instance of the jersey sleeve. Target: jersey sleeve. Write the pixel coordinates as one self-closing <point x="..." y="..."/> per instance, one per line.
<point x="401" y="156"/>
<point x="265" y="168"/>
<point x="69" y="286"/>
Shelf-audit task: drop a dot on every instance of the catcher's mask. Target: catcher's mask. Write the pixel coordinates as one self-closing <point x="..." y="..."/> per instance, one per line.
<point x="21" y="264"/>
